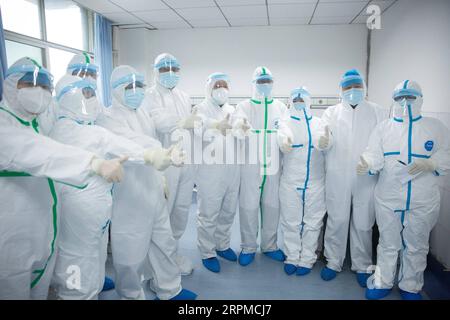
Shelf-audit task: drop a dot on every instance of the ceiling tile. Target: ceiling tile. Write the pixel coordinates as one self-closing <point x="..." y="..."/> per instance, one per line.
<point x="288" y="21"/>
<point x="245" y="12"/>
<point x="240" y="22"/>
<point x="178" y="4"/>
<point x="209" y="23"/>
<point x="100" y="6"/>
<point x="122" y="18"/>
<point x="335" y="9"/>
<point x="158" y="15"/>
<point x="331" y="20"/>
<point x="171" y="25"/>
<point x="291" y="10"/>
<point x="200" y="13"/>
<point x="140" y="5"/>
<point x="229" y="3"/>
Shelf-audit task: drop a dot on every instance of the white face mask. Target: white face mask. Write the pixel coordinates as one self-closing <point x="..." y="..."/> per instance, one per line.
<point x="90" y="109"/>
<point x="34" y="100"/>
<point x="220" y="96"/>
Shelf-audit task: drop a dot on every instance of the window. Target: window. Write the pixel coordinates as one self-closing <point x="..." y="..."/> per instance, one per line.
<point x="66" y="24"/>
<point x="17" y="50"/>
<point x="14" y="13"/>
<point x="49" y="31"/>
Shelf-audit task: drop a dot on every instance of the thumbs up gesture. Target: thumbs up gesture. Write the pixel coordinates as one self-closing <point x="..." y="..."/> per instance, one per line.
<point x="362" y="168"/>
<point x="324" y="141"/>
<point x="286" y="145"/>
<point x="224" y="125"/>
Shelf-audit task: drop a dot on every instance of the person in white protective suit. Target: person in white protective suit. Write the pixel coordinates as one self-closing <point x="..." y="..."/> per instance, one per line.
<point x="81" y="65"/>
<point x="86" y="212"/>
<point x="30" y="163"/>
<point x="263" y="122"/>
<point x="170" y="107"/>
<point x="409" y="152"/>
<point x="349" y="198"/>
<point x="302" y="185"/>
<point x="217" y="180"/>
<point x="141" y="239"/>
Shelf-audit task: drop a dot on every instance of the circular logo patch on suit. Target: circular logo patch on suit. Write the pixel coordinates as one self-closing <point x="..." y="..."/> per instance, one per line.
<point x="276" y="123"/>
<point x="429" y="145"/>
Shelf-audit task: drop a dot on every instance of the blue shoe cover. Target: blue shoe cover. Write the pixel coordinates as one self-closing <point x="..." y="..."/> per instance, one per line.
<point x="185" y="295"/>
<point x="410" y="295"/>
<point x="277" y="255"/>
<point x="227" y="254"/>
<point x="328" y="274"/>
<point x="108" y="284"/>
<point x="302" y="271"/>
<point x="212" y="264"/>
<point x="289" y="268"/>
<point x="246" y="258"/>
<point x="362" y="278"/>
<point x="377" y="294"/>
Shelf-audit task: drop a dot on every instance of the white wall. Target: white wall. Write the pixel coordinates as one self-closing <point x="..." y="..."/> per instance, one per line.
<point x="315" y="56"/>
<point x="414" y="43"/>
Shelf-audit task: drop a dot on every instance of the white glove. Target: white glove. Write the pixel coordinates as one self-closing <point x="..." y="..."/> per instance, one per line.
<point x="165" y="188"/>
<point x="223" y="125"/>
<point x="158" y="157"/>
<point x="243" y="126"/>
<point x="110" y="170"/>
<point x="177" y="154"/>
<point x="422" y="165"/>
<point x="191" y="121"/>
<point x="286" y="145"/>
<point x="362" y="168"/>
<point x="324" y="141"/>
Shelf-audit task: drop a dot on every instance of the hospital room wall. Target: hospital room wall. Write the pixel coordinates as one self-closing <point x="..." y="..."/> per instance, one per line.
<point x="314" y="56"/>
<point x="414" y="44"/>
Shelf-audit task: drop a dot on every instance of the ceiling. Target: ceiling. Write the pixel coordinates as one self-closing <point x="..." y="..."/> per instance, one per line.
<point x="185" y="14"/>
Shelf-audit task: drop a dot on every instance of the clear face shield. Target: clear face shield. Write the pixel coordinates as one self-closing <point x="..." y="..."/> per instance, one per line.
<point x="168" y="73"/>
<point x="133" y="90"/>
<point x="406" y="103"/>
<point x="299" y="98"/>
<point x="264" y="85"/>
<point x="86" y="71"/>
<point x="80" y="99"/>
<point x="34" y="88"/>
<point x="220" y="88"/>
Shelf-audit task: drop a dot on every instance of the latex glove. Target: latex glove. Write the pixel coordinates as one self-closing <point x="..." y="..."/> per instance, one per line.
<point x="362" y="168"/>
<point x="177" y="154"/>
<point x="422" y="165"/>
<point x="165" y="188"/>
<point x="324" y="141"/>
<point x="223" y="125"/>
<point x="286" y="145"/>
<point x="158" y="158"/>
<point x="191" y="121"/>
<point x="243" y="125"/>
<point x="110" y="170"/>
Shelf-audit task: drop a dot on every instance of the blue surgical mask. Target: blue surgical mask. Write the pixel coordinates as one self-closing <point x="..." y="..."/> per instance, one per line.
<point x="353" y="96"/>
<point x="169" y="80"/>
<point x="133" y="98"/>
<point x="264" y="89"/>
<point x="299" y="106"/>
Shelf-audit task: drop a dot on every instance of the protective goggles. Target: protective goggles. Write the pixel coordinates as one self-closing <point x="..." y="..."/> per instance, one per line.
<point x="166" y="65"/>
<point x="299" y="95"/>
<point x="83" y="70"/>
<point x="409" y="94"/>
<point x="264" y="78"/>
<point x="87" y="88"/>
<point x="130" y="81"/>
<point x="33" y="76"/>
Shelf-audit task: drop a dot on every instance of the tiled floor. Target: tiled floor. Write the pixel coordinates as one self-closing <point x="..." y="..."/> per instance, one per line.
<point x="263" y="279"/>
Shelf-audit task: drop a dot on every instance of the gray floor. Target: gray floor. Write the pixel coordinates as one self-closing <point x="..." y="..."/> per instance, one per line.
<point x="263" y="279"/>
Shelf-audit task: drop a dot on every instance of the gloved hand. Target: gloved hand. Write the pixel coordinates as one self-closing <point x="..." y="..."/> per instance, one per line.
<point x="165" y="188"/>
<point x="324" y="141"/>
<point x="422" y="165"/>
<point x="223" y="125"/>
<point x="286" y="145"/>
<point x="158" y="158"/>
<point x="191" y="121"/>
<point x="243" y="126"/>
<point x="362" y="168"/>
<point x="110" y="170"/>
<point x="177" y="154"/>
